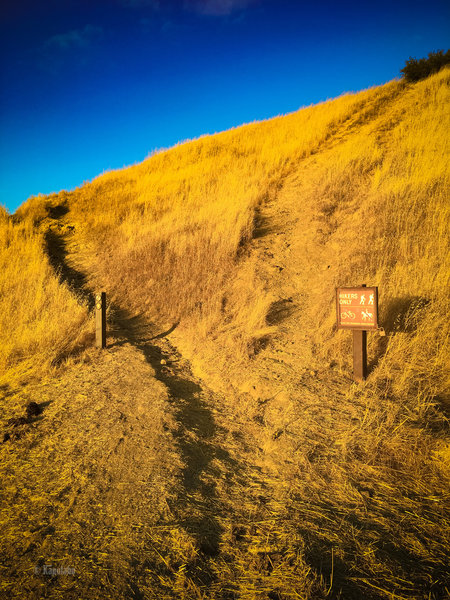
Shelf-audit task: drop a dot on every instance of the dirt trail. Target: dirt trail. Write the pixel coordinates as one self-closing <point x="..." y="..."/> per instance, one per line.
<point x="128" y="469"/>
<point x="198" y="439"/>
<point x="167" y="478"/>
<point x="294" y="257"/>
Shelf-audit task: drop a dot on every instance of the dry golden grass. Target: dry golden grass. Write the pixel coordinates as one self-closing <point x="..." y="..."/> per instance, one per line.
<point x="288" y="481"/>
<point x="41" y="320"/>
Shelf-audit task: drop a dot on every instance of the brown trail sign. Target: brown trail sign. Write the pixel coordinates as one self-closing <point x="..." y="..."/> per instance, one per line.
<point x="357" y="309"/>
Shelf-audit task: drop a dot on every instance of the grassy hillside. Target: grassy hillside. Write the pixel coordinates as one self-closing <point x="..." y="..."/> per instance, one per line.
<point x="169" y="237"/>
<point x="41" y="321"/>
<point x="232" y="246"/>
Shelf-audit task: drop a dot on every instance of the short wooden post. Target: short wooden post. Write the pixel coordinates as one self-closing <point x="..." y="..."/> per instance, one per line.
<point x="359" y="354"/>
<point x="100" y="320"/>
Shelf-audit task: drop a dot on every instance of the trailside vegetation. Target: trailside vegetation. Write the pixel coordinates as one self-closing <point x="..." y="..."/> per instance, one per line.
<point x="415" y="70"/>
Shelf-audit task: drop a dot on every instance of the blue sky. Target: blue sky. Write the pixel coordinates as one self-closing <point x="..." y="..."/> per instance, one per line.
<point x="92" y="85"/>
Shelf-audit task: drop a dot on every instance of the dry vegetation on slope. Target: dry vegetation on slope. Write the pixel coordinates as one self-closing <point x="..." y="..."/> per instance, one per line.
<point x="41" y="321"/>
<point x="286" y="480"/>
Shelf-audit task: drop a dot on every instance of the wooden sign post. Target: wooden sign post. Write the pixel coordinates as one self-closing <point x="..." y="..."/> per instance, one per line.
<point x="100" y="320"/>
<point x="359" y="354"/>
<point x="357" y="309"/>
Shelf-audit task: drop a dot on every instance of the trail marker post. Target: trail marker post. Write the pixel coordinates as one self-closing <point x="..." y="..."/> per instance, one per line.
<point x="100" y="320"/>
<point x="357" y="309"/>
<point x="359" y="354"/>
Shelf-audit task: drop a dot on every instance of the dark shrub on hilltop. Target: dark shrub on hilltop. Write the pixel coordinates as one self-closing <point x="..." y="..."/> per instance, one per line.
<point x="414" y="69"/>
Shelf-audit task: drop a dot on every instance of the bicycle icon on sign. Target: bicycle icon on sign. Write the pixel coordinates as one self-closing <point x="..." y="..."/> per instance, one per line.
<point x="348" y="315"/>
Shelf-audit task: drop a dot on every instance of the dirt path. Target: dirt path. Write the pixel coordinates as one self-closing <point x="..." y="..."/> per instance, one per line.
<point x="130" y="476"/>
<point x="295" y="260"/>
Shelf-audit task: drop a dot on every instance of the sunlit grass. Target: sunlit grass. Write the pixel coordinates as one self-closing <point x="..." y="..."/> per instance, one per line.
<point x="41" y="320"/>
<point x="343" y="486"/>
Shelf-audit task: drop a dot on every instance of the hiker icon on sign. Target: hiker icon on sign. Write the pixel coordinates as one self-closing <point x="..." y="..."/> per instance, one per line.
<point x="363" y="299"/>
<point x="371" y="299"/>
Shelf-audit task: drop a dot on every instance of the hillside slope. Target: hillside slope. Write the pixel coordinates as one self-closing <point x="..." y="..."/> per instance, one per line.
<point x="246" y="464"/>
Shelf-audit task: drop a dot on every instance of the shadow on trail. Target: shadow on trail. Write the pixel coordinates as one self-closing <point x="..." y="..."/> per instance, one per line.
<point x="197" y="503"/>
<point x="194" y="436"/>
<point x="56" y="250"/>
<point x="263" y="225"/>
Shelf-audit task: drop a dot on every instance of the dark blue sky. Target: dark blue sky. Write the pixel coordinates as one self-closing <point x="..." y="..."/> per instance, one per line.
<point x="88" y="86"/>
